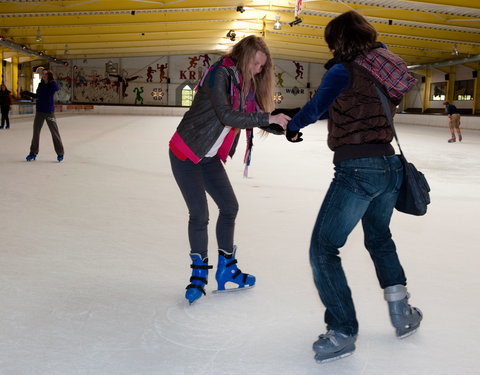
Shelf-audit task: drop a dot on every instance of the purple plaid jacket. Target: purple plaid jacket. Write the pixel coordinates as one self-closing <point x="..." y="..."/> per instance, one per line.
<point x="389" y="69"/>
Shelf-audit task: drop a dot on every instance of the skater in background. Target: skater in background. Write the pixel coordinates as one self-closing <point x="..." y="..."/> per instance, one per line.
<point x="45" y="111"/>
<point x="235" y="93"/>
<point x="367" y="178"/>
<point x="5" y="105"/>
<point x="453" y="122"/>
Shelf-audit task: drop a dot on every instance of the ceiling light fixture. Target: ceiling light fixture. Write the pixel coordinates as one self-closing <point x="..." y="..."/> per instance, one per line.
<point x="277" y="25"/>
<point x="39" y="36"/>
<point x="455" y="50"/>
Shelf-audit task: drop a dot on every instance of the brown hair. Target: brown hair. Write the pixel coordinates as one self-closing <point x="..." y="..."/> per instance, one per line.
<point x="243" y="53"/>
<point x="49" y="75"/>
<point x="349" y="35"/>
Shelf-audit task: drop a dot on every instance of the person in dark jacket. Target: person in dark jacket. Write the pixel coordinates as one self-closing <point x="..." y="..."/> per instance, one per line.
<point x="45" y="111"/>
<point x="453" y="122"/>
<point x="366" y="182"/>
<point x="5" y="105"/>
<point x="235" y="93"/>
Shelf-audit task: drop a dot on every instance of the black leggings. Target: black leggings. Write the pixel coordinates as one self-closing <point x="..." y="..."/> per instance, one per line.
<point x="5" y="118"/>
<point x="194" y="180"/>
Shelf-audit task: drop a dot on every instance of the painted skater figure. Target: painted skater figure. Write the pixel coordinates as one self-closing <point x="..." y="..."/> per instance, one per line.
<point x="298" y="70"/>
<point x="138" y="95"/>
<point x="162" y="70"/>
<point x="366" y="182"/>
<point x="206" y="60"/>
<point x="234" y="94"/>
<point x="150" y="72"/>
<point x="279" y="77"/>
<point x="193" y="62"/>
<point x="123" y="80"/>
<point x="45" y="111"/>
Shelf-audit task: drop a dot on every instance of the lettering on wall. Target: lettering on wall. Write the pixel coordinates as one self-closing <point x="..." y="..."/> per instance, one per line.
<point x="192" y="75"/>
<point x="295" y="91"/>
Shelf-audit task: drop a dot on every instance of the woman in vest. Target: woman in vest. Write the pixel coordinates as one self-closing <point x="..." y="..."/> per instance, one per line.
<point x="235" y="93"/>
<point x="366" y="182"/>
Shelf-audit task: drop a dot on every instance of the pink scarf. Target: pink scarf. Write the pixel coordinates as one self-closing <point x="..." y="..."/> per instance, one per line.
<point x="249" y="107"/>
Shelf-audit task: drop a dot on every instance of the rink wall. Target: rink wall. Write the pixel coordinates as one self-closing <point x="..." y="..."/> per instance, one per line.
<point x="28" y="109"/>
<point x="437" y="120"/>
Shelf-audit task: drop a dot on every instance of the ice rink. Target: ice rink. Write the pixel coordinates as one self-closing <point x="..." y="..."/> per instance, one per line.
<point x="94" y="258"/>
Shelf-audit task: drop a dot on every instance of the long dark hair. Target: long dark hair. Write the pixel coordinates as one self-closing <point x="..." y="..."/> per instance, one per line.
<point x="349" y="35"/>
<point x="49" y="76"/>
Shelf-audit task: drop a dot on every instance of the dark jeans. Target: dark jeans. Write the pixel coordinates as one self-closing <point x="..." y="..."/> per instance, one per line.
<point x="5" y="118"/>
<point x="40" y="117"/>
<point x="195" y="180"/>
<point x="363" y="189"/>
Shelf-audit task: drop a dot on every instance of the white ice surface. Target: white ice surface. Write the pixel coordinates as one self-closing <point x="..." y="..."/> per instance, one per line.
<point x="94" y="259"/>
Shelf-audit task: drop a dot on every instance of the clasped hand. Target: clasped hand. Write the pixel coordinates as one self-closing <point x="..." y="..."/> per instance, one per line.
<point x="292" y="136"/>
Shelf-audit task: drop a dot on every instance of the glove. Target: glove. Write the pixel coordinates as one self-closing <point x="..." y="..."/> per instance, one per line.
<point x="290" y="112"/>
<point x="291" y="134"/>
<point x="274" y="129"/>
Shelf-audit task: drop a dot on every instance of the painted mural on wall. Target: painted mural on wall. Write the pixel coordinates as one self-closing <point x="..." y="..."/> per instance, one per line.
<point x="160" y="80"/>
<point x="64" y="81"/>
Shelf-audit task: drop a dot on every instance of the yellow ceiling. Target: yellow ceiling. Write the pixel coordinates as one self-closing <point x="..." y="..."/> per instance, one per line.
<point x="419" y="31"/>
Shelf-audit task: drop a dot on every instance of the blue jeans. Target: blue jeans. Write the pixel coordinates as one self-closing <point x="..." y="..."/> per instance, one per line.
<point x="363" y="189"/>
<point x="195" y="180"/>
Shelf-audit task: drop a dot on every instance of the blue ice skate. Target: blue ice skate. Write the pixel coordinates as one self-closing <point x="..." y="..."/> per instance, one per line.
<point x="198" y="280"/>
<point x="31" y="157"/>
<point x="227" y="271"/>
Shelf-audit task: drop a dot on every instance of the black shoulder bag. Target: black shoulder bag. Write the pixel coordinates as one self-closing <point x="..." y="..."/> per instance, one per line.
<point x="414" y="193"/>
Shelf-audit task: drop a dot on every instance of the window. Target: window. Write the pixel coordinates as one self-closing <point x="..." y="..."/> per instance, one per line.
<point x="463" y="90"/>
<point x="437" y="91"/>
<point x="187" y="96"/>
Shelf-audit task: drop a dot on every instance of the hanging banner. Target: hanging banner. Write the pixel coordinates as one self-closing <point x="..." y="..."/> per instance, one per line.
<point x="298" y="7"/>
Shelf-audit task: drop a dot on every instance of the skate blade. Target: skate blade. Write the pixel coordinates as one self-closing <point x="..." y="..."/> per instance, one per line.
<point x="231" y="290"/>
<point x="405" y="335"/>
<point x="331" y="359"/>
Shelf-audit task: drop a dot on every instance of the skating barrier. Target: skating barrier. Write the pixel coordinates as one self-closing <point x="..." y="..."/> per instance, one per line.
<point x="28" y="109"/>
<point x="437" y="120"/>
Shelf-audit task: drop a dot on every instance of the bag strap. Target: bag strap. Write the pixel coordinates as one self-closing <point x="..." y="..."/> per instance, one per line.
<point x="388" y="112"/>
